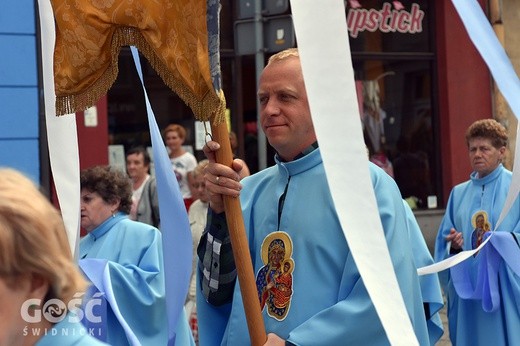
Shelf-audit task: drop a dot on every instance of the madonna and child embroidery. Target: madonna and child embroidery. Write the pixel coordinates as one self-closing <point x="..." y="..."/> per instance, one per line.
<point x="481" y="225"/>
<point x="274" y="279"/>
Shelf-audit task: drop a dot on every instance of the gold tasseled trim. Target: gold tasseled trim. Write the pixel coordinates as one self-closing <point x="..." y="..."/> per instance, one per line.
<point x="211" y="107"/>
<point x="219" y="113"/>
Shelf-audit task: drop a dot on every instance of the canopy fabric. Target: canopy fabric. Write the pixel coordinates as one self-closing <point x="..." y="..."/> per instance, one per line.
<point x="172" y="35"/>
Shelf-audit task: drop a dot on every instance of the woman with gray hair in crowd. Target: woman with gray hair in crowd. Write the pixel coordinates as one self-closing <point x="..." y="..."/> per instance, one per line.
<point x="119" y="252"/>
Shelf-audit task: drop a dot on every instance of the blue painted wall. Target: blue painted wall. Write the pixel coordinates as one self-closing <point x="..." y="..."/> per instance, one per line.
<point x="19" y="125"/>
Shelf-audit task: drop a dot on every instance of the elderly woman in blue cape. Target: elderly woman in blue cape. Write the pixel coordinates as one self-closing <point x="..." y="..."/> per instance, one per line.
<point x="124" y="261"/>
<point x="483" y="292"/>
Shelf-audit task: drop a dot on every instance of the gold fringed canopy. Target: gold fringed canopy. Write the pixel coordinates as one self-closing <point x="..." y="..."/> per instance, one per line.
<point x="172" y="35"/>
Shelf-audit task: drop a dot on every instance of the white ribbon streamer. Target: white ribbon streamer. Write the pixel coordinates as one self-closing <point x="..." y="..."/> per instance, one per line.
<point x="450" y="261"/>
<point x="61" y="134"/>
<point x="329" y="78"/>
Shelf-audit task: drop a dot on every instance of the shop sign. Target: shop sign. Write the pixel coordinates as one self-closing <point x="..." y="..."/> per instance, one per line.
<point x="387" y="19"/>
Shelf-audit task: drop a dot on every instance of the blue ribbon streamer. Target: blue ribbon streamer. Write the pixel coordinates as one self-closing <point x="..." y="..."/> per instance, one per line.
<point x="489" y="47"/>
<point x="501" y="248"/>
<point x="175" y="225"/>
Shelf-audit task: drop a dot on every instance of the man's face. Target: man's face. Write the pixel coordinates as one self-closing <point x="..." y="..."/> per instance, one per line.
<point x="284" y="109"/>
<point x="483" y="156"/>
<point x="135" y="166"/>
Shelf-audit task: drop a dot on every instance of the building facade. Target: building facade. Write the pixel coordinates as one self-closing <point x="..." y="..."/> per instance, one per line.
<point x="420" y="84"/>
<point x="20" y="135"/>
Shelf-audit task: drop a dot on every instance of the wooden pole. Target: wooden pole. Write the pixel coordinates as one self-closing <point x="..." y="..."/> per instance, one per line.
<point x="239" y="243"/>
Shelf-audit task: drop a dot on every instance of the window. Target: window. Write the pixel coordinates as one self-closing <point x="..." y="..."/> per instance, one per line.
<point x="393" y="58"/>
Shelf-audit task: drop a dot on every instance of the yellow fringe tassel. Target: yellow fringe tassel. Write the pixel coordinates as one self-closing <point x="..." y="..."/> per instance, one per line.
<point x="211" y="107"/>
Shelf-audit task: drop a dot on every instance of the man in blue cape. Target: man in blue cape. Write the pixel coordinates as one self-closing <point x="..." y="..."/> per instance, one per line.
<point x="307" y="280"/>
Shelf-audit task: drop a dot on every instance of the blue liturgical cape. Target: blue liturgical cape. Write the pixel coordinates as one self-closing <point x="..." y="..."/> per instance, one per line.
<point x="124" y="261"/>
<point x="319" y="298"/>
<point x="469" y="322"/>
<point x="430" y="285"/>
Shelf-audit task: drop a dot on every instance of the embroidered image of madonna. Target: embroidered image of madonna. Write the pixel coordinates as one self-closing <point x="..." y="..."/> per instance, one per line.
<point x="481" y="225"/>
<point x="274" y="279"/>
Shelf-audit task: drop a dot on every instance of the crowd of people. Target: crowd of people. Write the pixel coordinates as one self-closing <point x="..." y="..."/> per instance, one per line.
<point x="309" y="288"/>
